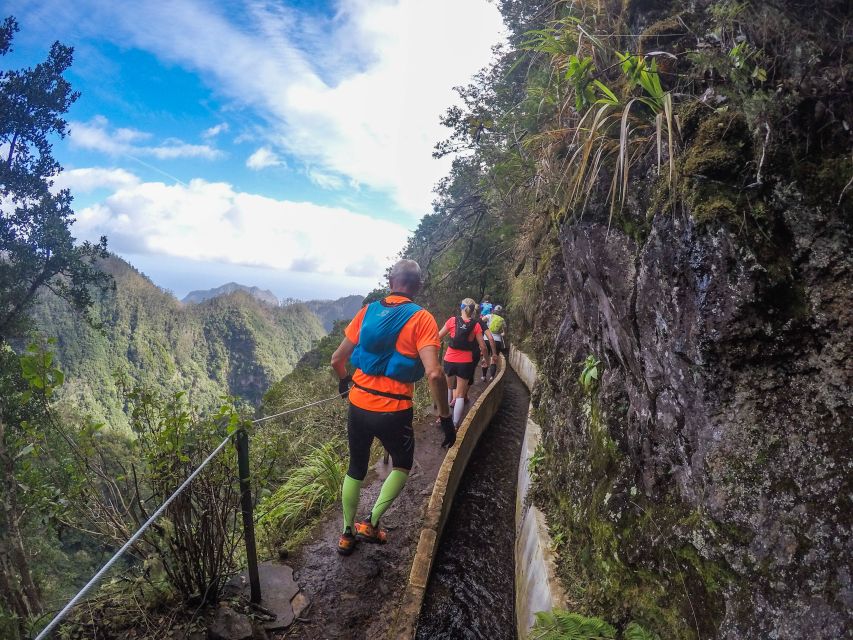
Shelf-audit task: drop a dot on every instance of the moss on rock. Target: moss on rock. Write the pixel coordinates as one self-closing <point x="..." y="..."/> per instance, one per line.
<point x="721" y="148"/>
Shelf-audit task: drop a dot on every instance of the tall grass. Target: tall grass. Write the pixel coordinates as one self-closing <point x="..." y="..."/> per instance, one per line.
<point x="309" y="490"/>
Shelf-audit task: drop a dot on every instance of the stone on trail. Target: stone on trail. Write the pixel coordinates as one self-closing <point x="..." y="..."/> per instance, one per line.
<point x="229" y="625"/>
<point x="277" y="590"/>
<point x="299" y="604"/>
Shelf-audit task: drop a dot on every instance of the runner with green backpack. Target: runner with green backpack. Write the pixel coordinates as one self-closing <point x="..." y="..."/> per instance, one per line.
<point x="497" y="327"/>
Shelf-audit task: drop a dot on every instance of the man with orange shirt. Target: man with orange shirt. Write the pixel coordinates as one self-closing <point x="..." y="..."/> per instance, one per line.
<point x="392" y="343"/>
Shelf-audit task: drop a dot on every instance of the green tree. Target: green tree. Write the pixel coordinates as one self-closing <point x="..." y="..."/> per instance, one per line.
<point x="37" y="249"/>
<point x="33" y="475"/>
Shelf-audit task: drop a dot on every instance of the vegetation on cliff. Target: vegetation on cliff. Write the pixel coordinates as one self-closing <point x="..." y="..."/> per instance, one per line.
<point x="663" y="190"/>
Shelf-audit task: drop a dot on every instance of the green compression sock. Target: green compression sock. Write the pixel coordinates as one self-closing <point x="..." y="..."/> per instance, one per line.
<point x="391" y="488"/>
<point x="349" y="499"/>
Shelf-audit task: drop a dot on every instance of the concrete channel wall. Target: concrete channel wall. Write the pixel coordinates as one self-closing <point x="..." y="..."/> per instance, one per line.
<point x="446" y="483"/>
<point x="536" y="585"/>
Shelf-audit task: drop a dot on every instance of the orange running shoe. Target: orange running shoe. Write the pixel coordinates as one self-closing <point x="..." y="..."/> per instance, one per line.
<point x="346" y="544"/>
<point x="367" y="532"/>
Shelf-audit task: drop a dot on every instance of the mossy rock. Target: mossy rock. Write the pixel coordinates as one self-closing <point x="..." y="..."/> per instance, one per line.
<point x="713" y="207"/>
<point x="822" y="181"/>
<point x="668" y="33"/>
<point x="721" y="148"/>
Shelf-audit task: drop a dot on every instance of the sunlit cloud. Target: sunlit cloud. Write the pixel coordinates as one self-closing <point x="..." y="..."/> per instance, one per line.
<point x="87" y="179"/>
<point x="215" y="130"/>
<point x="263" y="158"/>
<point x="356" y="94"/>
<point x="97" y="135"/>
<point x="211" y="221"/>
<point x="325" y="180"/>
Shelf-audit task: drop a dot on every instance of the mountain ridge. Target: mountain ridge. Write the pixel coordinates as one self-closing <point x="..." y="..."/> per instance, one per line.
<point x="200" y="295"/>
<point x="232" y="344"/>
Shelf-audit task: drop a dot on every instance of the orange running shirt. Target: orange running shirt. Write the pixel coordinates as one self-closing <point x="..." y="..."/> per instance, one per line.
<point x="420" y="331"/>
<point x="460" y="355"/>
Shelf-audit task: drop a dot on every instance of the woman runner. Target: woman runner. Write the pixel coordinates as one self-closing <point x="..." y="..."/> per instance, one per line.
<point x="459" y="363"/>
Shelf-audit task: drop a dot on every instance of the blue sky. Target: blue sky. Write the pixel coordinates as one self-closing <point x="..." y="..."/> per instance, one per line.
<point x="279" y="144"/>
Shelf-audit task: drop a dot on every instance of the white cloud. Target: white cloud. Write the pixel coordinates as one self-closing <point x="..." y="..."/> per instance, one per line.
<point x="86" y="179"/>
<point x="210" y="221"/>
<point x="215" y="130"/>
<point x="358" y="94"/>
<point x="263" y="158"/>
<point x="325" y="180"/>
<point x="96" y="135"/>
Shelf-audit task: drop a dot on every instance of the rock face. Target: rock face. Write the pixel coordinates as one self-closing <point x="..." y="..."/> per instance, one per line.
<point x="703" y="485"/>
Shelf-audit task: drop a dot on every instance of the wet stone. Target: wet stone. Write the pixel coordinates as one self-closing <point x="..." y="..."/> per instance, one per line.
<point x="277" y="589"/>
<point x="299" y="604"/>
<point x="229" y="625"/>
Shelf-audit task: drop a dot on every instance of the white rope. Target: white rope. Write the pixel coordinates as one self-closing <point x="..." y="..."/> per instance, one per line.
<point x="97" y="577"/>
<point x="304" y="406"/>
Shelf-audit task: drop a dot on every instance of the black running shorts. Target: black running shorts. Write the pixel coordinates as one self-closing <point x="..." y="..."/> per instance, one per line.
<point x="392" y="428"/>
<point x="462" y="369"/>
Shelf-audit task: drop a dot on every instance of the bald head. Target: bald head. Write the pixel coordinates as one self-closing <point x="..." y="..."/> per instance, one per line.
<point x="405" y="277"/>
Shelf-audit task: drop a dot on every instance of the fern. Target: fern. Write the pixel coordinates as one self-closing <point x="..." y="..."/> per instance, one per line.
<point x="635" y="632"/>
<point x="563" y="625"/>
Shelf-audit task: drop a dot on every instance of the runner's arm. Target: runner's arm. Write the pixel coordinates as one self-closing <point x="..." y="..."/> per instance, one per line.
<point x="443" y="332"/>
<point x="435" y="378"/>
<point x="341" y="356"/>
<point x="483" y="343"/>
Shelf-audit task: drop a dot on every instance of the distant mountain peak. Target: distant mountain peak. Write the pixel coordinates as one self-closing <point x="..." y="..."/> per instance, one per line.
<point x="264" y="295"/>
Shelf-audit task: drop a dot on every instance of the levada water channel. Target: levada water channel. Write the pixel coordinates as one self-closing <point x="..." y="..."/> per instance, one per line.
<point x="471" y="590"/>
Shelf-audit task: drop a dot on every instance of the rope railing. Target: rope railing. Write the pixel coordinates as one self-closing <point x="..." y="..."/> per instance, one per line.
<point x="246" y="506"/>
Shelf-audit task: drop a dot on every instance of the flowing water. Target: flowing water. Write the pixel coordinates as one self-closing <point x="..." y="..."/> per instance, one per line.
<point x="471" y="589"/>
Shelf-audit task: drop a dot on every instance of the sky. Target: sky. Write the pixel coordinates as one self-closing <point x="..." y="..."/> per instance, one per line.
<point x="285" y="145"/>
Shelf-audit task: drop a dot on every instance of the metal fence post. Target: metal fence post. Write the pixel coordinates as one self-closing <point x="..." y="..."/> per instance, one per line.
<point x="248" y="520"/>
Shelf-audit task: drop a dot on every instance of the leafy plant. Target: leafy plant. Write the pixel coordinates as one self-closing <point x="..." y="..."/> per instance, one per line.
<point x="635" y="632"/>
<point x="536" y="459"/>
<point x="194" y="545"/>
<point x="579" y="73"/>
<point x="589" y="374"/>
<point x="564" y="625"/>
<point x="38" y="369"/>
<point x="745" y="58"/>
<point x="605" y="133"/>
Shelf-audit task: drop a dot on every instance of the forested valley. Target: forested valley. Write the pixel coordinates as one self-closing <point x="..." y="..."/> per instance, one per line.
<point x="661" y="194"/>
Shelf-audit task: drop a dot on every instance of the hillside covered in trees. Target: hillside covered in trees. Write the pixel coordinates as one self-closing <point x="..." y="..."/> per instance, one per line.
<point x="137" y="334"/>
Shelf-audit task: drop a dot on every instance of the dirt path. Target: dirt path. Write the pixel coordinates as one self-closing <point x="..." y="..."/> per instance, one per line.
<point x="355" y="597"/>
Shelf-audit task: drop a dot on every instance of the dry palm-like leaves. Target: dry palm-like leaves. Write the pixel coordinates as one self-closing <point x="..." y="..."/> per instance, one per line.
<point x="603" y="132"/>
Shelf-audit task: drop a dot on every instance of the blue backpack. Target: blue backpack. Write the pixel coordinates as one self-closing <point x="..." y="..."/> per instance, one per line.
<point x="376" y="352"/>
